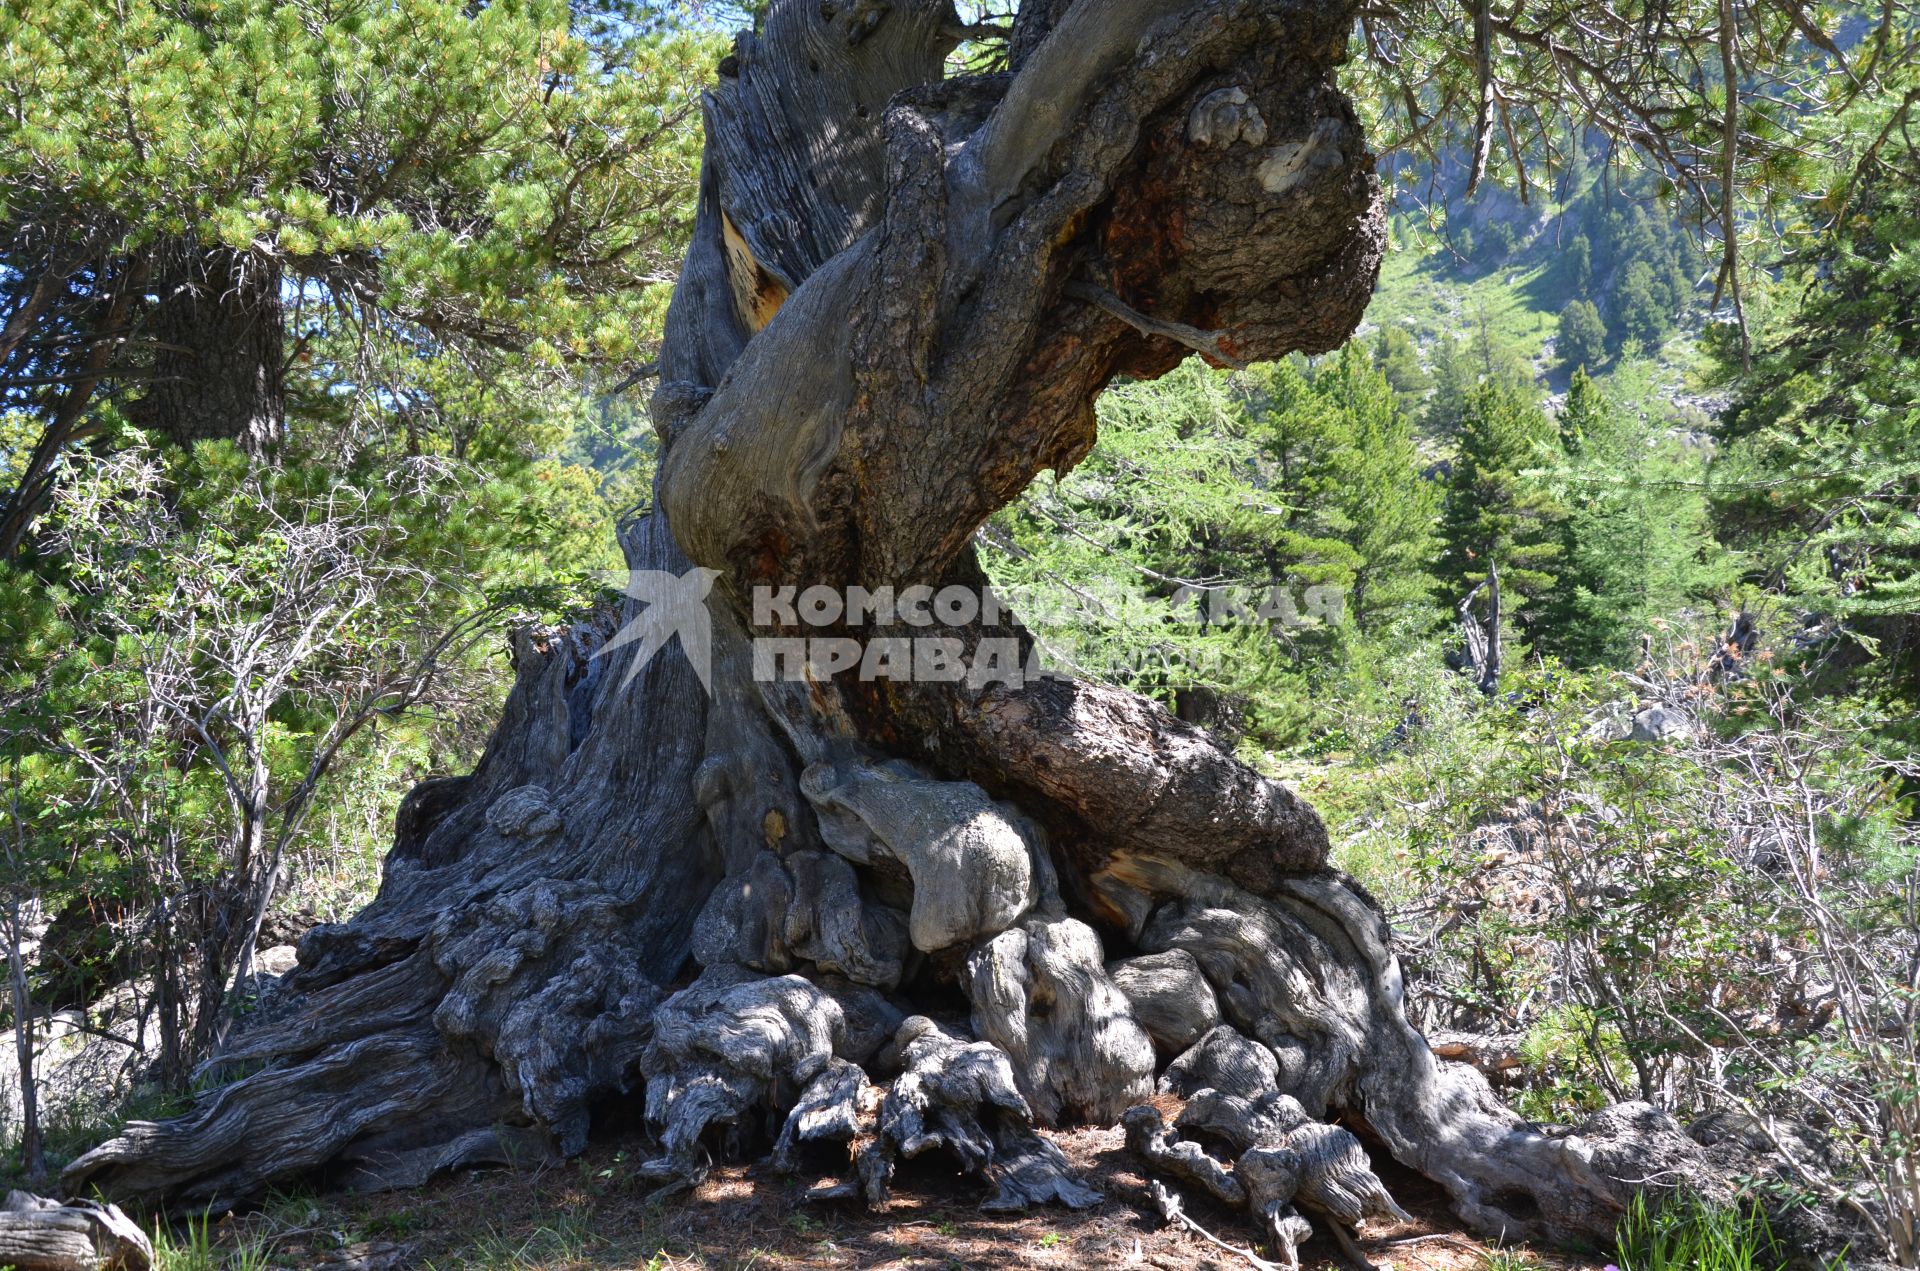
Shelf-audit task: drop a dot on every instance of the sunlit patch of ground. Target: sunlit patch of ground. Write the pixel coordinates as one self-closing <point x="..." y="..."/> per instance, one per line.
<point x="594" y="1213"/>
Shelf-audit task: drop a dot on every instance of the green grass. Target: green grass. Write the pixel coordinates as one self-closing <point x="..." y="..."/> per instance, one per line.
<point x="193" y="1248"/>
<point x="1430" y="295"/>
<point x="1685" y="1233"/>
<point x="570" y="1240"/>
<point x="72" y="1127"/>
<point x="1507" y="1260"/>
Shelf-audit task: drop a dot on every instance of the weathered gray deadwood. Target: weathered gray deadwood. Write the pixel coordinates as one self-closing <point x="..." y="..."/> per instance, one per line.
<point x="806" y="908"/>
<point x="728" y="1045"/>
<point x="1271" y="1176"/>
<point x="1282" y="1157"/>
<point x="1167" y="1153"/>
<point x="1172" y="1208"/>
<point x="961" y="1097"/>
<point x="1040" y="993"/>
<point x="971" y="863"/>
<point x="1169" y="996"/>
<point x="902" y="298"/>
<point x="829" y="1110"/>
<point x="1310" y="973"/>
<point x="1224" y="1061"/>
<point x="37" y="1234"/>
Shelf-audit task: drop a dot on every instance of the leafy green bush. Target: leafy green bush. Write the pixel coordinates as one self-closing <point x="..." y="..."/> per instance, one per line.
<point x="217" y="677"/>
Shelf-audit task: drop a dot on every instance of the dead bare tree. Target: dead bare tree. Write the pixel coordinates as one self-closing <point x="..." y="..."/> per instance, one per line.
<point x="1480" y="654"/>
<point x="33" y="1161"/>
<point x="1854" y="976"/>
<point x="315" y="610"/>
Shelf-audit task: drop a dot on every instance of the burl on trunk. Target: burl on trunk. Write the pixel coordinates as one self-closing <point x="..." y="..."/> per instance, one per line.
<point x="904" y="294"/>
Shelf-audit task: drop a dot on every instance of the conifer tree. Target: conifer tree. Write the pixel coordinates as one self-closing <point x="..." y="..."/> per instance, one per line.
<point x="1386" y="507"/>
<point x="1115" y="564"/>
<point x="213" y="216"/>
<point x="302" y="301"/>
<point x="1641" y="312"/>
<point x="1499" y="242"/>
<point x="1459" y="365"/>
<point x="1634" y="537"/>
<point x="1453" y="379"/>
<point x="1304" y="441"/>
<point x="1397" y="358"/>
<point x="1579" y="264"/>
<point x="1820" y="465"/>
<point x="944" y="252"/>
<point x="1497" y="505"/>
<point x="1582" y="338"/>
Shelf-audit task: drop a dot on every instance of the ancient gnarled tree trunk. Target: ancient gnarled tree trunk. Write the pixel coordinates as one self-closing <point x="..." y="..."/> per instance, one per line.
<point x="903" y="296"/>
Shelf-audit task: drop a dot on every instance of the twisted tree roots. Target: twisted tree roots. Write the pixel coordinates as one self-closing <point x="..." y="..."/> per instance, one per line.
<point x="901" y="964"/>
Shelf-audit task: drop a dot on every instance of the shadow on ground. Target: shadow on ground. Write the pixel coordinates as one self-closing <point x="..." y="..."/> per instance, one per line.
<point x="594" y="1213"/>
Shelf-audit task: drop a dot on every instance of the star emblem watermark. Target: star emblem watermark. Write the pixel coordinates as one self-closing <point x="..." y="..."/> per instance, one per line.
<point x="676" y="605"/>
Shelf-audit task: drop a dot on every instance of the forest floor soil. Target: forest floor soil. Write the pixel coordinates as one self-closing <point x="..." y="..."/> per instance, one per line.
<point x="597" y="1213"/>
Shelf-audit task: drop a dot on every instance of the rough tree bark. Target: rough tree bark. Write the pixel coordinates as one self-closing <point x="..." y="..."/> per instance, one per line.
<point x="43" y="1235"/>
<point x="903" y="296"/>
<point x="219" y="349"/>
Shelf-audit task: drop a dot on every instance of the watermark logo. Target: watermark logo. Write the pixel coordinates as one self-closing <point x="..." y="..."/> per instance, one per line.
<point x="912" y="636"/>
<point x="676" y="605"/>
